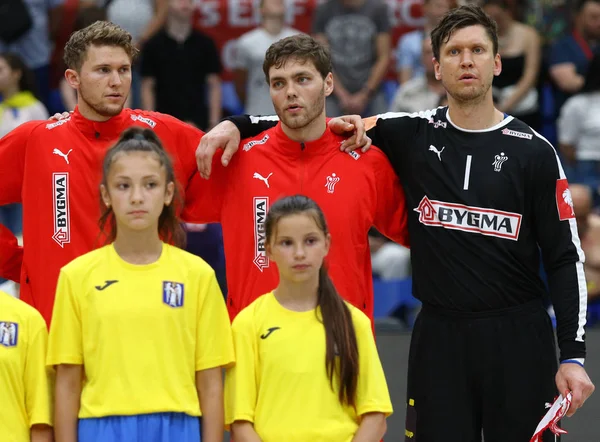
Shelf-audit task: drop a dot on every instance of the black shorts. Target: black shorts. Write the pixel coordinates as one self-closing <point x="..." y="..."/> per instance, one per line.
<point x="487" y="374"/>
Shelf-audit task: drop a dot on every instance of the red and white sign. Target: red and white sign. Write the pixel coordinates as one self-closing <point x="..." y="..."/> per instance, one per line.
<point x="225" y="20"/>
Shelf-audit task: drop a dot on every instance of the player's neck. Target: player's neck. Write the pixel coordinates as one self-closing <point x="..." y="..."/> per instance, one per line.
<point x="474" y="116"/>
<point x="298" y="297"/>
<point x="311" y="132"/>
<point x="178" y="30"/>
<point x="138" y="247"/>
<point x="88" y="112"/>
<point x="273" y="26"/>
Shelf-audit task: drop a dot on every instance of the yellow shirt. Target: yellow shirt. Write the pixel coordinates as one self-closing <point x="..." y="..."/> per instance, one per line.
<point x="279" y="381"/>
<point x="140" y="331"/>
<point x="25" y="383"/>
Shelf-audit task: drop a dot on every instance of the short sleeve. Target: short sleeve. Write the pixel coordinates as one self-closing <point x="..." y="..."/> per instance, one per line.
<point x="382" y="18"/>
<point x="242" y="54"/>
<point x="241" y="391"/>
<point x="320" y="19"/>
<point x="214" y="344"/>
<point x="569" y="121"/>
<point x="37" y="377"/>
<point x="148" y="59"/>
<point x="372" y="395"/>
<point x="212" y="59"/>
<point x="65" y="344"/>
<point x="560" y="53"/>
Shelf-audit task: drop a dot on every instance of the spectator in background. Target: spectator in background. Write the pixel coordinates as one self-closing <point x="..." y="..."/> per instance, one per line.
<point x="34" y="46"/>
<point x="515" y="89"/>
<point x="422" y="92"/>
<point x="579" y="131"/>
<point x="248" y="76"/>
<point x="19" y="105"/>
<point x="390" y="261"/>
<point x="588" y="226"/>
<point x="142" y="19"/>
<point x="358" y="34"/>
<point x="571" y="55"/>
<point x="178" y="64"/>
<point x="409" y="62"/>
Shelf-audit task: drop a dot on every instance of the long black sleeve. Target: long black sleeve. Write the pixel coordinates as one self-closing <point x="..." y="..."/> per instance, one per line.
<point x="556" y="232"/>
<point x="250" y="125"/>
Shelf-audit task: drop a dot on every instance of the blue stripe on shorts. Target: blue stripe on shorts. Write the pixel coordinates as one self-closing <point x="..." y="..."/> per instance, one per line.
<point x="156" y="427"/>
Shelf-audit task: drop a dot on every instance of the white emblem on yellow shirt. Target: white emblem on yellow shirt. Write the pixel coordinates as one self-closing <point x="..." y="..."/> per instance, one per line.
<point x="9" y="334"/>
<point x="173" y="293"/>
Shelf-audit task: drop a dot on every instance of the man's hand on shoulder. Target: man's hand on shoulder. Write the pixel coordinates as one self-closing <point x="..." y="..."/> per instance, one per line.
<point x="353" y="127"/>
<point x="224" y="135"/>
<point x="58" y="116"/>
<point x="573" y="377"/>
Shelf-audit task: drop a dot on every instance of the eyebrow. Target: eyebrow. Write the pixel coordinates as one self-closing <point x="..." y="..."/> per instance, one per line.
<point x="106" y="65"/>
<point x="144" y="177"/>
<point x="296" y="75"/>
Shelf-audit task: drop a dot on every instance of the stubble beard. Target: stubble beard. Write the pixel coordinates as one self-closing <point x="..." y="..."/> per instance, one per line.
<point x="312" y="112"/>
<point x="101" y="109"/>
<point x="471" y="96"/>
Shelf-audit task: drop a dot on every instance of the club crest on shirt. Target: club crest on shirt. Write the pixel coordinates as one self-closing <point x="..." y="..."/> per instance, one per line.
<point x="9" y="334"/>
<point x="173" y="293"/>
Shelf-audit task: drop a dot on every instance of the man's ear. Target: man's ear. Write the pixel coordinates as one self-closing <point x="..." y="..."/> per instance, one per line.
<point x="72" y="77"/>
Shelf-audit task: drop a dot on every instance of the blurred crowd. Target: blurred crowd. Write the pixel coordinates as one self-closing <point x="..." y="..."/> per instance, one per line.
<point x="550" y="77"/>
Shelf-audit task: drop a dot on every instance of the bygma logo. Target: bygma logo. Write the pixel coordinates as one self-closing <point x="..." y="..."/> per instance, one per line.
<point x="62" y="218"/>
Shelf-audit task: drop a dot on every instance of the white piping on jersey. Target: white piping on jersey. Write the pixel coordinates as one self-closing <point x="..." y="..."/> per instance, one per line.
<point x="579" y="265"/>
<point x="258" y="118"/>
<point x="504" y="122"/>
<point x="426" y="114"/>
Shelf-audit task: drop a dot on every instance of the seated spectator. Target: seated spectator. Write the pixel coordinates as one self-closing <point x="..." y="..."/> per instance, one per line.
<point x="579" y="132"/>
<point x="358" y="35"/>
<point x="177" y="65"/>
<point x="571" y="55"/>
<point x="422" y="92"/>
<point x="248" y="75"/>
<point x="409" y="60"/>
<point x="588" y="225"/>
<point x="390" y="261"/>
<point x="515" y="89"/>
<point x="18" y="90"/>
<point x="34" y="46"/>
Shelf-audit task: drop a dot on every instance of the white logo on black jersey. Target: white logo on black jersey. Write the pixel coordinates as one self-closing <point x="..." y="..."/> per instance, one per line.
<point x="432" y="148"/>
<point x="438" y="123"/>
<point x="499" y="161"/>
<point x="514" y="133"/>
<point x="487" y="222"/>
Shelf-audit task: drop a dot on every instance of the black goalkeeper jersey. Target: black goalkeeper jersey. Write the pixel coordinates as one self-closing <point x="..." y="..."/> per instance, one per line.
<point x="483" y="206"/>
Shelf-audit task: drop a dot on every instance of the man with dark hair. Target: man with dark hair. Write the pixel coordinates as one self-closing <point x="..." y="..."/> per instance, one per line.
<point x="300" y="156"/>
<point x="571" y="55"/>
<point x="485" y="193"/>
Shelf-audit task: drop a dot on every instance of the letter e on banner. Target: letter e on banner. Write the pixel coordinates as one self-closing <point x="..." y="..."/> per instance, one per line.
<point x="564" y="201"/>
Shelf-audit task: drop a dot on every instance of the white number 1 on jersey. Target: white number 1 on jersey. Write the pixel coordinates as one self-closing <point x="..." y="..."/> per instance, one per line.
<point x="467" y="173"/>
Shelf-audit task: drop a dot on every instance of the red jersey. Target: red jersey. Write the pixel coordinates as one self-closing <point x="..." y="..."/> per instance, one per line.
<point x="55" y="169"/>
<point x="354" y="190"/>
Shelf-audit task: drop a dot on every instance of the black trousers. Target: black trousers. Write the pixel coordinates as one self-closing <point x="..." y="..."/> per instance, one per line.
<point x="487" y="374"/>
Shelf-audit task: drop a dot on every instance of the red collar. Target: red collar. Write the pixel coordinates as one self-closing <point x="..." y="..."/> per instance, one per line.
<point x="107" y="130"/>
<point x="324" y="145"/>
